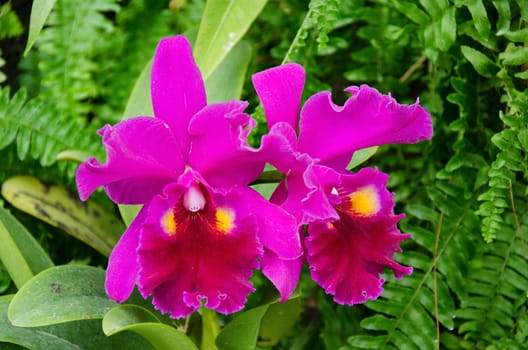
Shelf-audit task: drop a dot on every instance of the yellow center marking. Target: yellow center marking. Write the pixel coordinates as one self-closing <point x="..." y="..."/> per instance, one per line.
<point x="365" y="201"/>
<point x="225" y="220"/>
<point x="168" y="224"/>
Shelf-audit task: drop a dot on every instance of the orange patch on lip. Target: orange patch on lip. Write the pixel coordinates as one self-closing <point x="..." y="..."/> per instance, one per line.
<point x="365" y="201"/>
<point x="225" y="220"/>
<point x="168" y="223"/>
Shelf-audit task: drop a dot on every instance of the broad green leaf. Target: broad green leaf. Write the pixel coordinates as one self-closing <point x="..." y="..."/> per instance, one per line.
<point x="5" y="279"/>
<point x="278" y="321"/>
<point x="129" y="213"/>
<point x="223" y="23"/>
<point x="267" y="181"/>
<point x="242" y="332"/>
<point x="54" y="204"/>
<point x="267" y="322"/>
<point x="85" y="334"/>
<point x="141" y="321"/>
<point x="227" y="80"/>
<point x="482" y="63"/>
<point x="39" y="12"/>
<point x="125" y="315"/>
<point x="28" y="337"/>
<point x="139" y="103"/>
<point x="61" y="294"/>
<point x="265" y="189"/>
<point x="21" y="254"/>
<point x="362" y="156"/>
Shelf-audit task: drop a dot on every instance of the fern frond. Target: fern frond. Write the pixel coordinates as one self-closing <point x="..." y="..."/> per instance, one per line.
<point x="122" y="56"/>
<point x="497" y="285"/>
<point x="39" y="132"/>
<point x="66" y="53"/>
<point x="412" y="311"/>
<point x="511" y="157"/>
<point x="325" y="14"/>
<point x="10" y="25"/>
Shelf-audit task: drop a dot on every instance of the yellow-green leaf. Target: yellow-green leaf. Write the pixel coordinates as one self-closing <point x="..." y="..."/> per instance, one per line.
<point x="54" y="204"/>
<point x="39" y="12"/>
<point x="223" y="24"/>
<point x="20" y="253"/>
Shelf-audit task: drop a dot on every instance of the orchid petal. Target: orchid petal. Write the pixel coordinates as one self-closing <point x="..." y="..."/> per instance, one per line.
<point x="141" y="159"/>
<point x="309" y="193"/>
<point x="280" y="91"/>
<point x="279" y="148"/>
<point x="187" y="258"/>
<point x="347" y="256"/>
<point x="332" y="133"/>
<point x="122" y="265"/>
<point x="177" y="87"/>
<point x="220" y="151"/>
<point x="277" y="229"/>
<point x="284" y="274"/>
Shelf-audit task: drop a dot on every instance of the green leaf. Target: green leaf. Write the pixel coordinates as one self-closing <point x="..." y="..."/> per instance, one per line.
<point x="447" y="29"/>
<point x="268" y="322"/>
<point x="138" y="320"/>
<point x="412" y="11"/>
<point x="20" y="253"/>
<point x="503" y="10"/>
<point x="265" y="189"/>
<point x="61" y="294"/>
<point x="362" y="156"/>
<point x="129" y="213"/>
<point x="482" y="64"/>
<point x="514" y="55"/>
<point x="73" y="155"/>
<point x="223" y="24"/>
<point x="523" y="139"/>
<point x="210" y="329"/>
<point x="227" y="80"/>
<point x="54" y="204"/>
<point x="140" y="103"/>
<point x="39" y="12"/>
<point x="278" y="321"/>
<point x="85" y="334"/>
<point x="124" y="315"/>
<point x="433" y="7"/>
<point x="29" y="338"/>
<point x="242" y="332"/>
<point x="480" y="17"/>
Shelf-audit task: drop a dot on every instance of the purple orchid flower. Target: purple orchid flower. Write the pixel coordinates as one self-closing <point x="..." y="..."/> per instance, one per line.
<point x="202" y="231"/>
<point x="352" y="228"/>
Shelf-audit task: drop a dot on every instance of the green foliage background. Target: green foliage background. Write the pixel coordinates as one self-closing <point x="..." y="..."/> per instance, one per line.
<point x="464" y="192"/>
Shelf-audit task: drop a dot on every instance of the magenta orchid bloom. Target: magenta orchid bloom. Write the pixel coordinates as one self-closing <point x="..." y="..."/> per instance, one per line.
<point x="202" y="231"/>
<point x="352" y="228"/>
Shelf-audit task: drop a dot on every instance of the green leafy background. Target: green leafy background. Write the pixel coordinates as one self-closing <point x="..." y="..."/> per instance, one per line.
<point x="69" y="66"/>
